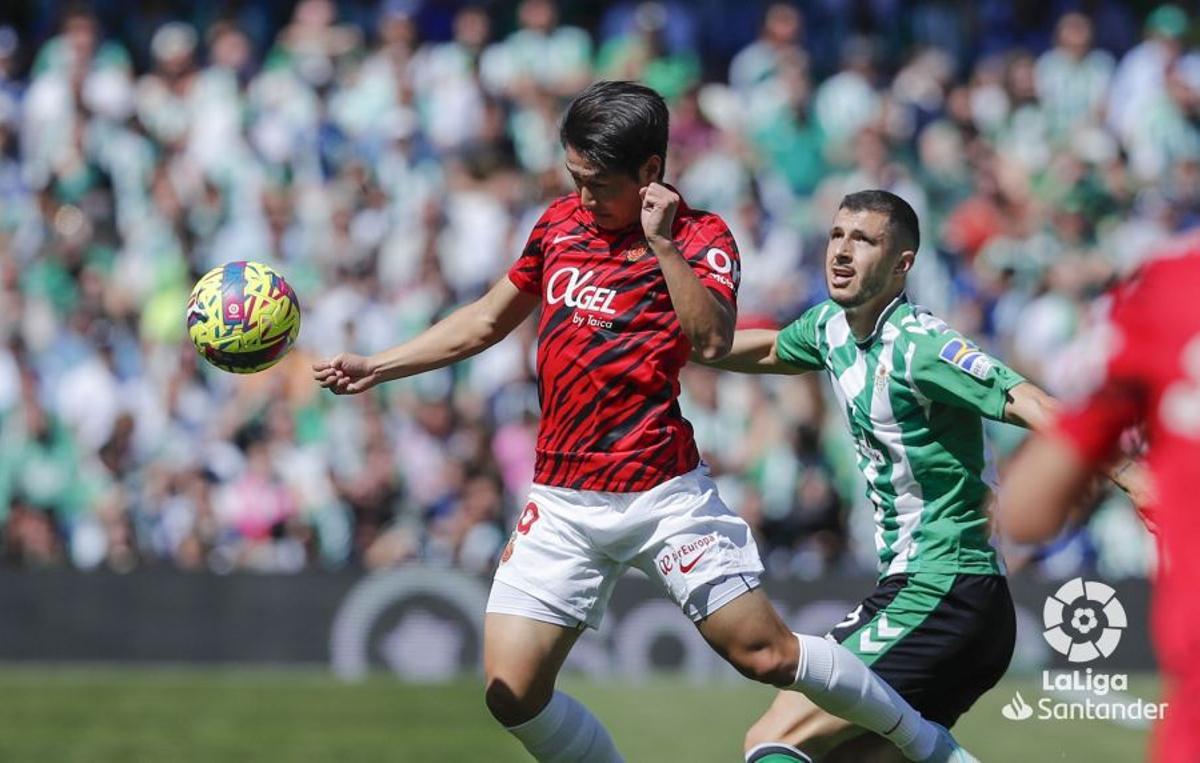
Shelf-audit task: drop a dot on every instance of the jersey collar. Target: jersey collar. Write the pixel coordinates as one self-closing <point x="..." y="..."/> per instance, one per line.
<point x="882" y="319"/>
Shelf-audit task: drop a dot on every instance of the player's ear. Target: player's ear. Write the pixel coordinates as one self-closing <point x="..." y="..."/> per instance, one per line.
<point x="905" y="262"/>
<point x="651" y="171"/>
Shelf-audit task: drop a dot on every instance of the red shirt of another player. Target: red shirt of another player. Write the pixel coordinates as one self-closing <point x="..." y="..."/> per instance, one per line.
<point x="610" y="346"/>
<point x="1153" y="376"/>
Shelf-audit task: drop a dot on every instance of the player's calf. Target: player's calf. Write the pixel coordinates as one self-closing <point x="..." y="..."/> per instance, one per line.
<point x="521" y="660"/>
<point x="794" y="720"/>
<point x="566" y="732"/>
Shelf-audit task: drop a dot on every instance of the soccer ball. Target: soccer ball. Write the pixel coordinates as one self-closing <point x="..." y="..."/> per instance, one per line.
<point x="243" y="317"/>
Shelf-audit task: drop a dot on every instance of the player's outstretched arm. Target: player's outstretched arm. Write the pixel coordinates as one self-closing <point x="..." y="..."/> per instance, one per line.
<point x="1030" y="407"/>
<point x="1041" y="489"/>
<point x="465" y="332"/>
<point x="754" y="351"/>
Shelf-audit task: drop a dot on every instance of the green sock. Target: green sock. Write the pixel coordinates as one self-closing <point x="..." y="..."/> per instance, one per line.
<point x="776" y="752"/>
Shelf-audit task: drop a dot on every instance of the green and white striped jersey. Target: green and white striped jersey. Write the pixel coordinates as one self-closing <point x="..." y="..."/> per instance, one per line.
<point x="913" y="392"/>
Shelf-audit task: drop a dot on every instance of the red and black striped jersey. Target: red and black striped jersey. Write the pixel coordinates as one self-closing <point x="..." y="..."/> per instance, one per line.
<point x="610" y="346"/>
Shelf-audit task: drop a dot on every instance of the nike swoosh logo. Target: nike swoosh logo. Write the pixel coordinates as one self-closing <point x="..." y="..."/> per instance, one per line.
<point x="686" y="568"/>
<point x="560" y="238"/>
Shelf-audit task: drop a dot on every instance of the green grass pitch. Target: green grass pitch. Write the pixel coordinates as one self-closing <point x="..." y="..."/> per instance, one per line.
<point x="108" y="714"/>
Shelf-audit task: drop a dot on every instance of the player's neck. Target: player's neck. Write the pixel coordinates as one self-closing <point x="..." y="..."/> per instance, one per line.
<point x="864" y="319"/>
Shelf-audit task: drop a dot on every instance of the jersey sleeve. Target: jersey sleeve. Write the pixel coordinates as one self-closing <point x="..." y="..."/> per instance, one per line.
<point x="713" y="255"/>
<point x="526" y="272"/>
<point x="950" y="369"/>
<point x="1109" y="393"/>
<point x="797" y="344"/>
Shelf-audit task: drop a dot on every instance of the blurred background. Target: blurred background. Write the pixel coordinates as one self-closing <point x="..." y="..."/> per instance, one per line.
<point x="389" y="159"/>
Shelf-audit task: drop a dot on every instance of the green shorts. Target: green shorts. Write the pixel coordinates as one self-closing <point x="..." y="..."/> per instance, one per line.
<point x="940" y="640"/>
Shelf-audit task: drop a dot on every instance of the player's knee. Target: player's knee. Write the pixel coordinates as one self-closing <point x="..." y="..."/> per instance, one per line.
<point x="510" y="702"/>
<point x="765" y="662"/>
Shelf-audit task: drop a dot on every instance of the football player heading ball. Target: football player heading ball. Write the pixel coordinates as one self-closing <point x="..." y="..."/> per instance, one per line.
<point x="632" y="282"/>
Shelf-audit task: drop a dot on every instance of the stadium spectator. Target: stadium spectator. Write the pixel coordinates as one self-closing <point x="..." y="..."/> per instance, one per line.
<point x="760" y="63"/>
<point x="1072" y="78"/>
<point x="641" y="54"/>
<point x="391" y="164"/>
<point x="542" y="54"/>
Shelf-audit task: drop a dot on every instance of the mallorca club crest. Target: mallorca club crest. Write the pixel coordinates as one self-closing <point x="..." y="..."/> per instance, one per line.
<point x="636" y="252"/>
<point x="524" y="525"/>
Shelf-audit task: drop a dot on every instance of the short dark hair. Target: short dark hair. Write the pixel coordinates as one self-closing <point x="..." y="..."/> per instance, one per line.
<point x="901" y="217"/>
<point x="617" y="126"/>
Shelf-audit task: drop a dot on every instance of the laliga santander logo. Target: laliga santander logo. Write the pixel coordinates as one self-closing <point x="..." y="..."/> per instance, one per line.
<point x="1018" y="709"/>
<point x="1083" y="620"/>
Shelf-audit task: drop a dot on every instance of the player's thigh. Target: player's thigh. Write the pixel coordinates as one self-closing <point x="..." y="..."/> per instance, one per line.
<point x="524" y="648"/>
<point x="793" y="719"/>
<point x="521" y="659"/>
<point x="747" y="619"/>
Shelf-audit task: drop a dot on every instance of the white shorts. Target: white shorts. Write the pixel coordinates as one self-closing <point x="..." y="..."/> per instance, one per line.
<point x="570" y="547"/>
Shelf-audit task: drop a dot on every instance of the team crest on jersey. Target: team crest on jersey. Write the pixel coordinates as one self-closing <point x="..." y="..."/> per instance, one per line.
<point x="524" y="525"/>
<point x="966" y="356"/>
<point x="882" y="372"/>
<point x="508" y="548"/>
<point x="636" y="252"/>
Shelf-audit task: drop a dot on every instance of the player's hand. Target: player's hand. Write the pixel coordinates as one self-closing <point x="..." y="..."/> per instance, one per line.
<point x="346" y="374"/>
<point x="658" y="212"/>
<point x="1134" y="478"/>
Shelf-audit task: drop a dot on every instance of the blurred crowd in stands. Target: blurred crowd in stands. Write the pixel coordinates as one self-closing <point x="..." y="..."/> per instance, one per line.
<point x="390" y="160"/>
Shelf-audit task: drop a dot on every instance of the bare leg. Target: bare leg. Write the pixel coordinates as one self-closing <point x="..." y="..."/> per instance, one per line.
<point x="795" y="720"/>
<point x="521" y="658"/>
<point x="749" y="633"/>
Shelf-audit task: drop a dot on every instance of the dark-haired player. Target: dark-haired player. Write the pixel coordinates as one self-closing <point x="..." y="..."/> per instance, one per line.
<point x="631" y="282"/>
<point x="939" y="627"/>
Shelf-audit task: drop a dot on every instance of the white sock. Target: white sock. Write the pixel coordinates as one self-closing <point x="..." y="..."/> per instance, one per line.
<point x="566" y="731"/>
<point x="839" y="683"/>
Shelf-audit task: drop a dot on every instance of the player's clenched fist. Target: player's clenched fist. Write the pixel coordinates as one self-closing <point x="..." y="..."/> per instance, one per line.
<point x="658" y="211"/>
<point x="346" y="374"/>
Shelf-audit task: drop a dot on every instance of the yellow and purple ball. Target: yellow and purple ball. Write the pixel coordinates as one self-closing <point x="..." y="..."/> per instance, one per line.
<point x="243" y="317"/>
